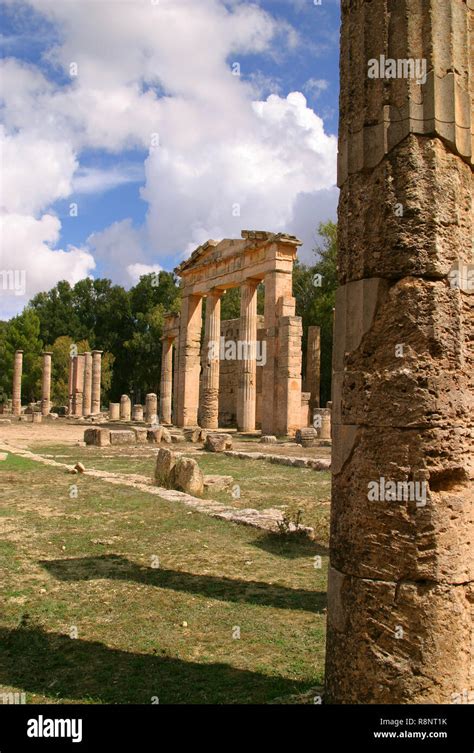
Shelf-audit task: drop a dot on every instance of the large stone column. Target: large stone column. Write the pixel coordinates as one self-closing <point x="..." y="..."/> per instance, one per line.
<point x="125" y="408"/>
<point x="151" y="408"/>
<point x="401" y="591"/>
<point x="166" y="384"/>
<point x="87" y="400"/>
<point x="211" y="362"/>
<point x="78" y="384"/>
<point x="313" y="367"/>
<point x="189" y="360"/>
<point x="281" y="377"/>
<point x="46" y="384"/>
<point x="70" y="401"/>
<point x="16" y="391"/>
<point x="96" y="375"/>
<point x="247" y="364"/>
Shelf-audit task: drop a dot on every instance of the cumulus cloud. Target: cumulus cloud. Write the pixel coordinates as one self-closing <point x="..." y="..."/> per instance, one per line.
<point x="221" y="155"/>
<point x="27" y="249"/>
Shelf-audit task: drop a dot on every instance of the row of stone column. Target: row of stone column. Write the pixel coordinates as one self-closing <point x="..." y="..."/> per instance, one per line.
<point x="45" y="385"/>
<point x="281" y="380"/>
<point x="124" y="411"/>
<point x="85" y="372"/>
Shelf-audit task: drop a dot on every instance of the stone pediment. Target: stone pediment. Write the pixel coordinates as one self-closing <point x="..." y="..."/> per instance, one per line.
<point x="211" y="251"/>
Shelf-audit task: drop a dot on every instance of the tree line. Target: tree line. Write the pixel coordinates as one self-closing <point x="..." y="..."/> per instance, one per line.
<point x="128" y="324"/>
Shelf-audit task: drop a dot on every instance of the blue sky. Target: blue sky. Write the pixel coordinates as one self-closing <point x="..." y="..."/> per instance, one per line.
<point x="127" y="139"/>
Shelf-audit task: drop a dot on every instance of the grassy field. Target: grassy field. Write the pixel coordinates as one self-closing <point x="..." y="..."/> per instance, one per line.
<point x="116" y="596"/>
<point x="261" y="484"/>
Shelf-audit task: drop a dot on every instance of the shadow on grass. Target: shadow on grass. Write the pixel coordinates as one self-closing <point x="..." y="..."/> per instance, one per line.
<point x="59" y="667"/>
<point x="290" y="547"/>
<point x="213" y="587"/>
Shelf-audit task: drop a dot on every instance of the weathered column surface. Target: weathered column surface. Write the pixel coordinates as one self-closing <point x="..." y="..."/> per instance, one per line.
<point x="313" y="366"/>
<point x="137" y="413"/>
<point x="151" y="408"/>
<point x="166" y="384"/>
<point x="70" y="397"/>
<point x="96" y="377"/>
<point x="247" y="363"/>
<point x="211" y="362"/>
<point x="114" y="411"/>
<point x="87" y="398"/>
<point x="78" y="379"/>
<point x="125" y="408"/>
<point x="16" y="391"/>
<point x="400" y="597"/>
<point x="46" y="384"/>
<point x="189" y="360"/>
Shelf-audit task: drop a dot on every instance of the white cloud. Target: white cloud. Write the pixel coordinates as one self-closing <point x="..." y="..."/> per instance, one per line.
<point x="26" y="246"/>
<point x="117" y="248"/>
<point x="163" y="69"/>
<point x="98" y="180"/>
<point x="138" y="270"/>
<point x="35" y="172"/>
<point x="315" y="86"/>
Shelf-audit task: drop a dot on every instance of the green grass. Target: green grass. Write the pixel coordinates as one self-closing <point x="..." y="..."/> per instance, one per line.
<point x="262" y="484"/>
<point x="89" y="563"/>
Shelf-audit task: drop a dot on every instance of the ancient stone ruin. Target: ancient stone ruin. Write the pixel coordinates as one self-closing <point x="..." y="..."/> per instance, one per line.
<point x="222" y="379"/>
<point x="401" y="593"/>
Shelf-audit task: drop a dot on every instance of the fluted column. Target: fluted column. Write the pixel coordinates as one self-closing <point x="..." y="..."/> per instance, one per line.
<point x="247" y="363"/>
<point x="96" y="377"/>
<point x="166" y="384"/>
<point x="211" y="362"/>
<point x="17" y="374"/>
<point x="401" y="577"/>
<point x="70" y="400"/>
<point x="125" y="408"/>
<point x="46" y="384"/>
<point x="189" y="360"/>
<point x="313" y="366"/>
<point x="151" y="408"/>
<point x="78" y="391"/>
<point x="87" y="400"/>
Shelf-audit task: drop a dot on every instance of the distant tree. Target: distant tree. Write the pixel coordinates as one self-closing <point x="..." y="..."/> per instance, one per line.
<point x="22" y="333"/>
<point x="314" y="288"/>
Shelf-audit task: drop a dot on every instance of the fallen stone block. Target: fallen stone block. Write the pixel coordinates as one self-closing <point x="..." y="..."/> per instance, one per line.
<point x="154" y="435"/>
<point x="97" y="437"/>
<point x="218" y="442"/>
<point x="165" y="462"/>
<point x="140" y="435"/>
<point x="307" y="437"/>
<point x="37" y="418"/>
<point x="80" y="467"/>
<point x="176" y="438"/>
<point x="268" y="439"/>
<point x="122" y="436"/>
<point x="215" y="483"/>
<point x="5" y="421"/>
<point x="193" y="434"/>
<point x="166" y="436"/>
<point x="51" y="417"/>
<point x="186" y="476"/>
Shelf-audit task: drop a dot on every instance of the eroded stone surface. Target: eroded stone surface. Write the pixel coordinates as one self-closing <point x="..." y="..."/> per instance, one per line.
<point x="218" y="442"/>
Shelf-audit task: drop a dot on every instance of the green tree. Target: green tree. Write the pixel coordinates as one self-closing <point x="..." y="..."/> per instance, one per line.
<point x="314" y="288"/>
<point x="22" y="333"/>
